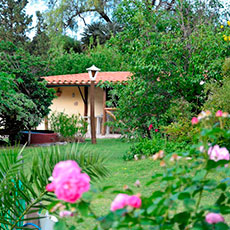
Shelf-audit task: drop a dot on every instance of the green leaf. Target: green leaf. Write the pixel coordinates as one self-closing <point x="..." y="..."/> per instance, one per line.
<point x="221" y="226"/>
<point x="189" y="204"/>
<point x="224" y="209"/>
<point x="222" y="186"/>
<point x="213" y="164"/>
<point x="83" y="208"/>
<point x="182" y="217"/>
<point x="221" y="199"/>
<point x="200" y="175"/>
<point x="60" y="225"/>
<point x="184" y="195"/>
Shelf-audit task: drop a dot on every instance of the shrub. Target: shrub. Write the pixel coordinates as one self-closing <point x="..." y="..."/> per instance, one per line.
<point x="218" y="92"/>
<point x="146" y="147"/>
<point x="180" y="131"/>
<point x="68" y="126"/>
<point x="218" y="95"/>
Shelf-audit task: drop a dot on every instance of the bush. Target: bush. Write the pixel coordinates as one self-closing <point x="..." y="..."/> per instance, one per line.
<point x="69" y="127"/>
<point x="218" y="95"/>
<point x="146" y="148"/>
<point x="180" y="131"/>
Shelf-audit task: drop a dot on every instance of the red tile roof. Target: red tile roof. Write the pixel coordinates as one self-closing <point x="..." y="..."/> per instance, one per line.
<point x="83" y="78"/>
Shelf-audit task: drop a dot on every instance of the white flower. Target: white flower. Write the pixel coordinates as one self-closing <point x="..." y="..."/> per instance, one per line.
<point x="202" y="82"/>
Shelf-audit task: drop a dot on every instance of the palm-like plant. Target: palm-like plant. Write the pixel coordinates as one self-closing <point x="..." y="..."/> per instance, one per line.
<point x="98" y="33"/>
<point x="24" y="178"/>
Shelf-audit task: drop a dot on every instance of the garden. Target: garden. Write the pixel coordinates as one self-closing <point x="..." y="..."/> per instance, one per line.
<point x="170" y="168"/>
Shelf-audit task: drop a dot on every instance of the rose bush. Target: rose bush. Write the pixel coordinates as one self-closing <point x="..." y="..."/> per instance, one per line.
<point x="177" y="202"/>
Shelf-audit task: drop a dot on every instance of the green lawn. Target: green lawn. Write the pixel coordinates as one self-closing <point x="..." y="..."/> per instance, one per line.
<point x="121" y="173"/>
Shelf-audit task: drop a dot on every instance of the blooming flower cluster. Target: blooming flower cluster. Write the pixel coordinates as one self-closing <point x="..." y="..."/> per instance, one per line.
<point x="68" y="183"/>
<point x="123" y="200"/>
<point x="151" y="127"/>
<point x="205" y="114"/>
<point x="216" y="153"/>
<point x="213" y="218"/>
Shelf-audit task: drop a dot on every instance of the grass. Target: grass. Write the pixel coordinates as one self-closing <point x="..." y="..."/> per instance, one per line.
<point x="122" y="173"/>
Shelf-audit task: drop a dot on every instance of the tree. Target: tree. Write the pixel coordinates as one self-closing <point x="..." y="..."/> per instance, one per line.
<point x="14" y="23"/>
<point x="64" y="14"/>
<point x="171" y="53"/>
<point x="107" y="58"/>
<point x="98" y="33"/>
<point x="28" y="100"/>
<point x="70" y="44"/>
<point x="41" y="42"/>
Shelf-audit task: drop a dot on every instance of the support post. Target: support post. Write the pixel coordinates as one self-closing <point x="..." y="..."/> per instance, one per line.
<point x="46" y="123"/>
<point x="92" y="112"/>
<point x="86" y="102"/>
<point x="104" y="113"/>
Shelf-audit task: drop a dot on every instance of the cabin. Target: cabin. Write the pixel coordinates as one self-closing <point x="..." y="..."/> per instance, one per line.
<point x="73" y="96"/>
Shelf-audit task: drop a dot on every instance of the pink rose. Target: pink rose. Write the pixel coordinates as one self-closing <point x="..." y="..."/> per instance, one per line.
<point x="194" y="121"/>
<point x="50" y="187"/>
<point x="213" y="218"/>
<point x="216" y="153"/>
<point x="68" y="182"/>
<point x="156" y="130"/>
<point x="219" y="113"/>
<point x="123" y="200"/>
<point x="119" y="202"/>
<point x="134" y="201"/>
<point x="150" y="127"/>
<point x="65" y="213"/>
<point x="71" y="187"/>
<point x="62" y="166"/>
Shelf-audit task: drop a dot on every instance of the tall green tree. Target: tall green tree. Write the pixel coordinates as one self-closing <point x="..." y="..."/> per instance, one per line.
<point x="64" y="14"/>
<point x="14" y="23"/>
<point x="28" y="100"/>
<point x="41" y="42"/>
<point x="172" y="51"/>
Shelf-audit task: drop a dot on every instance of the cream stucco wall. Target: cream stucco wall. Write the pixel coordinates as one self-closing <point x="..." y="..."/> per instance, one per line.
<point x="70" y="102"/>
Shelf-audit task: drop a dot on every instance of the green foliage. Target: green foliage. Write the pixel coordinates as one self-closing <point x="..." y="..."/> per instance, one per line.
<point x="170" y="55"/>
<point x="25" y="176"/>
<point x="40" y="44"/>
<point x="180" y="131"/>
<point x="28" y="100"/>
<point x="147" y="148"/>
<point x="14" y="22"/>
<point x="69" y="127"/>
<point x="218" y="95"/>
<point x="179" y="110"/>
<point x="226" y="67"/>
<point x="107" y="58"/>
<point x="99" y="33"/>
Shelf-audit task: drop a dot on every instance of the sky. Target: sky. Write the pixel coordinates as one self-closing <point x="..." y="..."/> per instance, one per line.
<point x="37" y="5"/>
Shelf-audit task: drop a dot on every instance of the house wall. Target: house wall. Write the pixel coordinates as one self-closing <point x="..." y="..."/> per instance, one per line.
<point x="70" y="102"/>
